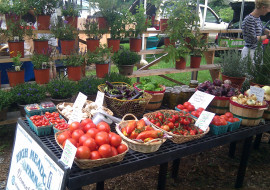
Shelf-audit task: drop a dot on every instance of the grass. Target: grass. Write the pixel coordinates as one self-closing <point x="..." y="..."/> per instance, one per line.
<point x="181" y="77"/>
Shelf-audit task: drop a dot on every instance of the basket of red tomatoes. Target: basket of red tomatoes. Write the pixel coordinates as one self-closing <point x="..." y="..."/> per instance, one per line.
<point x="139" y="135"/>
<point x="178" y="124"/>
<point x="96" y="144"/>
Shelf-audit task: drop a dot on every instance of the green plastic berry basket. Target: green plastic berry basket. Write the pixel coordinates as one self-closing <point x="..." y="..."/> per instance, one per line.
<point x="235" y="125"/>
<point x="218" y="130"/>
<point x="32" y="112"/>
<point x="40" y="131"/>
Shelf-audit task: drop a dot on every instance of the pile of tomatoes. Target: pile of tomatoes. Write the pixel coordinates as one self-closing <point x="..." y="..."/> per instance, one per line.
<point x="179" y="123"/>
<point x="40" y="120"/>
<point x="140" y="131"/>
<point x="188" y="107"/>
<point x="224" y="119"/>
<point x="92" y="141"/>
<point x="55" y="119"/>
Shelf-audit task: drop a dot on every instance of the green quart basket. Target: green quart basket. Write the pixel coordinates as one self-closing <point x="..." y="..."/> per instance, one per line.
<point x="32" y="112"/>
<point x="40" y="131"/>
<point x="235" y="125"/>
<point x="218" y="130"/>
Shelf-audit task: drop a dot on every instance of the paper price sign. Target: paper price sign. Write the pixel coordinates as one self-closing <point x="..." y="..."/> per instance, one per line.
<point x="76" y="115"/>
<point x="68" y="154"/>
<point x="99" y="99"/>
<point x="259" y="92"/>
<point x="200" y="99"/>
<point x="204" y="120"/>
<point x="80" y="100"/>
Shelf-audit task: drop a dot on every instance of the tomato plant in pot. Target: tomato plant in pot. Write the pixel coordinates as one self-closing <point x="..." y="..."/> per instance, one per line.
<point x="73" y="62"/>
<point x="125" y="60"/>
<point x="93" y="32"/>
<point x="66" y="34"/>
<point x="71" y="13"/>
<point x="6" y="100"/>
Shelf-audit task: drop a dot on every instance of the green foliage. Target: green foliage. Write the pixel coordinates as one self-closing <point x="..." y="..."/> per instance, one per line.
<point x="149" y="85"/>
<point x="17" y="64"/>
<point x="175" y="53"/>
<point x="70" y="9"/>
<point x="100" y="56"/>
<point x="43" y="7"/>
<point x="232" y="64"/>
<point x="6" y="99"/>
<point x="62" y="88"/>
<point x="89" y="85"/>
<point x="116" y="77"/>
<point x="125" y="57"/>
<point x="17" y="7"/>
<point x="63" y="31"/>
<point x="92" y="30"/>
<point x="41" y="61"/>
<point x="28" y="93"/>
<point x="226" y="14"/>
<point x="74" y="59"/>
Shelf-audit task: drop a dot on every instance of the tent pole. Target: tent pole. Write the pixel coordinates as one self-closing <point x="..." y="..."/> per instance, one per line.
<point x="241" y="16"/>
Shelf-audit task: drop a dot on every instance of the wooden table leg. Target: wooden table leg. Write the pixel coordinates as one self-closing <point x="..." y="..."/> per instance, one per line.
<point x="175" y="168"/>
<point x="100" y="185"/>
<point x="162" y="176"/>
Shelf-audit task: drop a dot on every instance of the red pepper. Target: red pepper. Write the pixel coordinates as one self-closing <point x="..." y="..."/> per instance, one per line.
<point x="131" y="126"/>
<point x="146" y="134"/>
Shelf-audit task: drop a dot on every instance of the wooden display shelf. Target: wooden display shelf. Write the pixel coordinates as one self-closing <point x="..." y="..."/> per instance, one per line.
<point x="153" y="72"/>
<point x="7" y="59"/>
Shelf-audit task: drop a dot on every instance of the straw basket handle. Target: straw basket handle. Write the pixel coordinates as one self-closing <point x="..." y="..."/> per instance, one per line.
<point x="129" y="114"/>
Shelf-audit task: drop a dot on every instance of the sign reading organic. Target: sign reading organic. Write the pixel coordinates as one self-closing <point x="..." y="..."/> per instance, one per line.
<point x="31" y="168"/>
<point x="201" y="99"/>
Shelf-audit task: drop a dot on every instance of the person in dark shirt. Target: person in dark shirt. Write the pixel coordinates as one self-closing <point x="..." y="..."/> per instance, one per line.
<point x="252" y="27"/>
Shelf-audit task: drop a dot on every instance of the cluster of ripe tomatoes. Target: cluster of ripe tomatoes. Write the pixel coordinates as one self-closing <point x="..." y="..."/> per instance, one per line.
<point x="92" y="141"/>
<point x="224" y="119"/>
<point x="40" y="120"/>
<point x="55" y="119"/>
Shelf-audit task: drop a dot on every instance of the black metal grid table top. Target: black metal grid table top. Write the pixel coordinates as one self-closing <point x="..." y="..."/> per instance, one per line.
<point x="134" y="161"/>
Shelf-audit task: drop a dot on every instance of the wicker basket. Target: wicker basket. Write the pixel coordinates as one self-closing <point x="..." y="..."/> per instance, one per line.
<point x="157" y="97"/>
<point x="178" y="139"/>
<point x="250" y="115"/>
<point x="87" y="163"/>
<point x="219" y="105"/>
<point x="266" y="113"/>
<point x="122" y="107"/>
<point x="137" y="146"/>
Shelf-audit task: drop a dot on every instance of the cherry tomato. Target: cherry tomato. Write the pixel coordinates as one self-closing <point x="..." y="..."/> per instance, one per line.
<point x="165" y="127"/>
<point x="121" y="148"/>
<point x="101" y="138"/>
<point x="95" y="155"/>
<point x="74" y="126"/>
<point x="83" y="152"/>
<point x="229" y="114"/>
<point x="105" y="151"/>
<point x="86" y="121"/>
<point x="92" y="132"/>
<point x="90" y="143"/>
<point x="115" y="140"/>
<point x="77" y="134"/>
<point x="103" y="126"/>
<point x="88" y="126"/>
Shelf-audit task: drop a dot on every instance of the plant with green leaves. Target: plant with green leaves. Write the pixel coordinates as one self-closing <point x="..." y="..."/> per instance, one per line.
<point x="28" y="93"/>
<point x="89" y="85"/>
<point x="175" y="53"/>
<point x="17" y="64"/>
<point x="63" y="31"/>
<point x="92" y="30"/>
<point x="6" y="99"/>
<point x="115" y="77"/>
<point x="41" y="61"/>
<point x="44" y="7"/>
<point x="198" y="43"/>
<point x="14" y="7"/>
<point x="102" y="55"/>
<point x="75" y="59"/>
<point x="232" y="64"/>
<point x="70" y="9"/>
<point x="125" y="57"/>
<point x="62" y="88"/>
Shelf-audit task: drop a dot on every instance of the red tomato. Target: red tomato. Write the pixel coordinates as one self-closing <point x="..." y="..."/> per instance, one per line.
<point x="77" y="134"/>
<point x="224" y="117"/>
<point x="95" y="155"/>
<point x="112" y="133"/>
<point x="114" y="151"/>
<point x="115" y="140"/>
<point x="92" y="132"/>
<point x="194" y="113"/>
<point x="86" y="121"/>
<point x="89" y="126"/>
<point x="180" y="106"/>
<point x="74" y="126"/>
<point x="186" y="104"/>
<point x="165" y="127"/>
<point x="72" y="141"/>
<point x="223" y="122"/>
<point x="229" y="114"/>
<point x="235" y="119"/>
<point x="200" y="109"/>
<point x="190" y="108"/>
<point x="83" y="138"/>
<point x="103" y="126"/>
<point x="62" y="137"/>
<point x="105" y="151"/>
<point x="90" y="143"/>
<point x="83" y="152"/>
<point x="121" y="148"/>
<point x="230" y="119"/>
<point x="102" y="137"/>
<point x="185" y="110"/>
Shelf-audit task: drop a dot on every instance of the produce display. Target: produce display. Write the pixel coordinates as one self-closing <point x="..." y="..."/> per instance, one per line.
<point x="266" y="92"/>
<point x="189" y="108"/>
<point x="55" y="119"/>
<point x="149" y="85"/>
<point x="224" y="119"/>
<point x="31" y="107"/>
<point x="40" y="120"/>
<point x="247" y="100"/>
<point x="47" y="105"/>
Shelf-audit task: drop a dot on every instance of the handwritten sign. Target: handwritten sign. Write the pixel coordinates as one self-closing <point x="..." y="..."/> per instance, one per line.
<point x="259" y="92"/>
<point x="201" y="99"/>
<point x="68" y="154"/>
<point x="80" y="100"/>
<point x="204" y="120"/>
<point x="76" y="115"/>
<point x="99" y="99"/>
<point x="31" y="167"/>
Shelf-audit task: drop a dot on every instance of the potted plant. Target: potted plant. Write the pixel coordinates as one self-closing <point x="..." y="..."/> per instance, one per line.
<point x="15" y="36"/>
<point x="6" y="98"/>
<point x="41" y="45"/>
<point x="93" y="32"/>
<point x="139" y="25"/>
<point x="125" y="60"/>
<point x="28" y="93"/>
<point x="233" y="67"/>
<point x="61" y="90"/>
<point x="16" y="74"/>
<point x="43" y="10"/>
<point x="41" y="63"/>
<point x="101" y="58"/>
<point x="71" y="13"/>
<point x="66" y="34"/>
<point x="73" y="63"/>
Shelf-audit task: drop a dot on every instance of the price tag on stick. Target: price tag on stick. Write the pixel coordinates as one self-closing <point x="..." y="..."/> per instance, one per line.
<point x="201" y="99"/>
<point x="259" y="92"/>
<point x="204" y="120"/>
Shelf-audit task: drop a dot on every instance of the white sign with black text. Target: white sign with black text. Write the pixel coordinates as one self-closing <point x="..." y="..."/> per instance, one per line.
<point x="204" y="120"/>
<point x="99" y="99"/>
<point x="68" y="154"/>
<point x="76" y="114"/>
<point x="201" y="99"/>
<point x="259" y="92"/>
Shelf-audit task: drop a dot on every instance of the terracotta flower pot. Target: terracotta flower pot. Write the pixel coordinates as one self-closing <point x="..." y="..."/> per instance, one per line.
<point x="15" y="47"/>
<point x="41" y="46"/>
<point x="74" y="73"/>
<point x="73" y="21"/>
<point x="102" y="23"/>
<point x="135" y="44"/>
<point x="163" y="24"/>
<point x="92" y="44"/>
<point x="42" y="76"/>
<point x="102" y="70"/>
<point x="180" y="64"/>
<point x="195" y="61"/>
<point x="67" y="46"/>
<point x="114" y="43"/>
<point x="43" y="22"/>
<point x="237" y="82"/>
<point x="126" y="69"/>
<point x="15" y="77"/>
